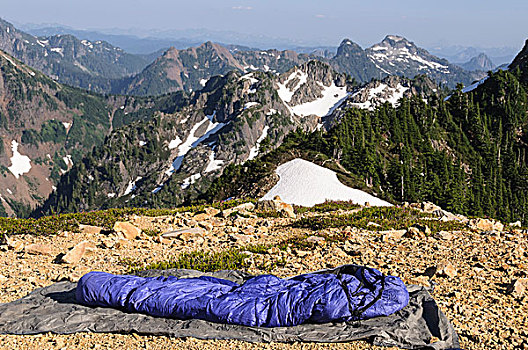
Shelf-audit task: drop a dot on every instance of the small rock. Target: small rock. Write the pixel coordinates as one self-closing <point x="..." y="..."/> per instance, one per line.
<point x="163" y="240"/>
<point x="185" y="233"/>
<point x="3" y="279"/>
<point x="516" y="224"/>
<point x="78" y="252"/>
<point x="373" y="224"/>
<point x="108" y="243"/>
<point x="201" y="217"/>
<point x="315" y="239"/>
<point x="38" y="249"/>
<point x="89" y="229"/>
<point x="393" y="235"/>
<point x="245" y="207"/>
<point x="13" y="244"/>
<point x="128" y="230"/>
<point x="216" y="222"/>
<point x="519" y="287"/>
<point x="429" y="207"/>
<point x="121" y="242"/>
<point x="239" y="238"/>
<point x="286" y="209"/>
<point x="206" y="225"/>
<point x="447" y="269"/>
<point x="444" y="235"/>
<point x="419" y="230"/>
<point x="413" y="231"/>
<point x="301" y="253"/>
<point x="212" y="211"/>
<point x="273" y="250"/>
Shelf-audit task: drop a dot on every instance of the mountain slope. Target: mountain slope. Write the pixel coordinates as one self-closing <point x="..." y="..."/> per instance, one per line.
<point x="173" y="157"/>
<point x="44" y="128"/>
<point x="190" y="69"/>
<point x="82" y="63"/>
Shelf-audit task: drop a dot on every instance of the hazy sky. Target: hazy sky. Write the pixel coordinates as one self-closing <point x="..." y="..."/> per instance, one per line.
<point x="468" y="22"/>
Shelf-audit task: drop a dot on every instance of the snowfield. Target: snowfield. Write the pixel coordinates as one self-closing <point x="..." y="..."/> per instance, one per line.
<point x="307" y="184"/>
<point x="333" y="96"/>
<point x="375" y="99"/>
<point x="254" y="151"/>
<point x="20" y="164"/>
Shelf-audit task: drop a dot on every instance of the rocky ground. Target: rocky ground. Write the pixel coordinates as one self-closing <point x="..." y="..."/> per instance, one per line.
<point x="479" y="273"/>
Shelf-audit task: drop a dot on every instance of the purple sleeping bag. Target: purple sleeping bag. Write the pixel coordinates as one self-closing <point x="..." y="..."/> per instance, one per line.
<point x="263" y="301"/>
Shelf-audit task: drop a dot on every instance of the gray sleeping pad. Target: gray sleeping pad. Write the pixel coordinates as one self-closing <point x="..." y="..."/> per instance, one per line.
<point x="54" y="309"/>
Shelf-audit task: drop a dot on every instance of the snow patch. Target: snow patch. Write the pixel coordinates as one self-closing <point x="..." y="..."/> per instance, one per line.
<point x="307" y="184"/>
<point x="67" y="125"/>
<point x="20" y="164"/>
<point x="157" y="189"/>
<point x="175" y="143"/>
<point x="190" y="180"/>
<point x="87" y="44"/>
<point x="333" y="96"/>
<point x="374" y="96"/>
<point x="111" y="195"/>
<point x="131" y="186"/>
<point x="203" y="82"/>
<point x="9" y="59"/>
<point x="142" y="143"/>
<point x="213" y="164"/>
<point x="254" y="151"/>
<point x="193" y="140"/>
<point x="58" y="50"/>
<point x="284" y="92"/>
<point x="251" y="104"/>
<point x="249" y="77"/>
<point x="68" y="160"/>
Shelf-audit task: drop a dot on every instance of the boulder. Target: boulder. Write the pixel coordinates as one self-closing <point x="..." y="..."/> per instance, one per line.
<point x="446" y="235"/>
<point x="201" y="217"/>
<point x="277" y="205"/>
<point x="242" y="208"/>
<point x="315" y="239"/>
<point x="519" y="287"/>
<point x="486" y="225"/>
<point x="445" y="268"/>
<point x="38" y="249"/>
<point x="393" y="235"/>
<point x="212" y="211"/>
<point x="89" y="229"/>
<point x="13" y="244"/>
<point x="128" y="230"/>
<point x="186" y="234"/>
<point x="78" y="252"/>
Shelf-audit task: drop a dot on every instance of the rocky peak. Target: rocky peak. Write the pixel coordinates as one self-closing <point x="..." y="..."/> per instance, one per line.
<point x="347" y="46"/>
<point x="480" y="62"/>
<point x="396" y="42"/>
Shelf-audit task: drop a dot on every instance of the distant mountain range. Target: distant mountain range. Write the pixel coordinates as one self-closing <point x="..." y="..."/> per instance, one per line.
<point x="101" y="67"/>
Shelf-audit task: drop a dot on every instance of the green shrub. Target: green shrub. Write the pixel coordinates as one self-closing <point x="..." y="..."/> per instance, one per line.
<point x="386" y="217"/>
